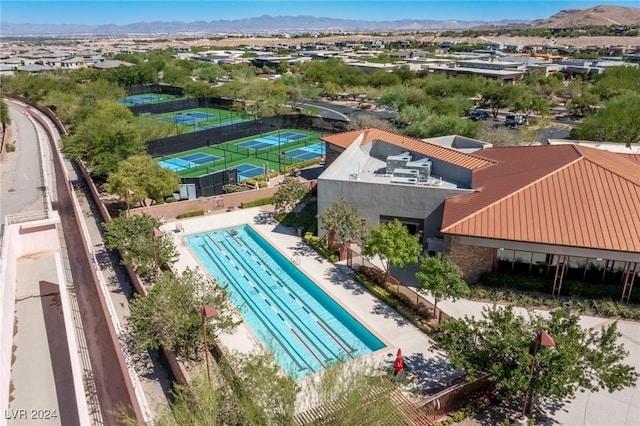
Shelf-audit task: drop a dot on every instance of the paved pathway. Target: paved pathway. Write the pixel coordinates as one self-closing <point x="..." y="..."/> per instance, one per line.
<point x="621" y="408"/>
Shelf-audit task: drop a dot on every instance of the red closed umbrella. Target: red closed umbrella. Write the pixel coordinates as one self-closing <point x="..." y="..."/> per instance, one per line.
<point x="398" y="365"/>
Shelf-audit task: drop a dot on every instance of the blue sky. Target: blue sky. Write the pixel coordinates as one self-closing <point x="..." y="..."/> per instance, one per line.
<point x="120" y="12"/>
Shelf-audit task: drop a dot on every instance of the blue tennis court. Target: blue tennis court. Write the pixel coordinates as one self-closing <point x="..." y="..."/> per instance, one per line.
<point x="176" y="164"/>
<point x="140" y="99"/>
<point x="247" y="171"/>
<point x="200" y="158"/>
<point x="189" y="118"/>
<point x="307" y="153"/>
<point x="259" y="143"/>
<point x="291" y="136"/>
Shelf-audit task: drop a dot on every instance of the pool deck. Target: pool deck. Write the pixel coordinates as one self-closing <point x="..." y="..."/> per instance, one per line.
<point x="427" y="368"/>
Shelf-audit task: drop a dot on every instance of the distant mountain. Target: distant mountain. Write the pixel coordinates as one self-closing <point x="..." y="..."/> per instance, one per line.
<point x="570" y="18"/>
<point x="594" y="16"/>
<point x="262" y="24"/>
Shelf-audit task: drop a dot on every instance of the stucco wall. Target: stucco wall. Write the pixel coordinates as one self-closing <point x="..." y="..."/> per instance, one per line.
<point x="473" y="260"/>
<point x="373" y="200"/>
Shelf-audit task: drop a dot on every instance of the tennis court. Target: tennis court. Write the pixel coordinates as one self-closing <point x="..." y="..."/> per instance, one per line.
<point x="147" y="98"/>
<point x="201" y="158"/>
<point x="270" y="141"/>
<point x="307" y="153"/>
<point x="188" y="161"/>
<point x="190" y="118"/>
<point x="259" y="143"/>
<point x="247" y="171"/>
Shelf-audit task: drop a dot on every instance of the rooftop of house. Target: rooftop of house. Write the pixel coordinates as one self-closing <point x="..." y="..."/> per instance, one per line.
<point x="438" y="150"/>
<point x="568" y="195"/>
<point x="565" y="194"/>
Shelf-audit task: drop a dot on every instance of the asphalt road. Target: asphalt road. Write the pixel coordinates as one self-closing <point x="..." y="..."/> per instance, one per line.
<point x="21" y="180"/>
<point x="340" y="112"/>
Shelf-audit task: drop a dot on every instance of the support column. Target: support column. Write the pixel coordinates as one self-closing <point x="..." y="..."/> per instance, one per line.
<point x="629" y="277"/>
<point x="561" y="268"/>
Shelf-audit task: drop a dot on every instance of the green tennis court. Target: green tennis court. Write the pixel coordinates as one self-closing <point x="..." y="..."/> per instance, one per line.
<point x="195" y="119"/>
<point x="300" y="145"/>
<point x="146" y="98"/>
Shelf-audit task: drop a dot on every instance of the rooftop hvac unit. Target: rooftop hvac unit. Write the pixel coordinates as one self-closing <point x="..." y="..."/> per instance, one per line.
<point x="405" y="180"/>
<point x="407" y="173"/>
<point x="423" y="166"/>
<point x="397" y="161"/>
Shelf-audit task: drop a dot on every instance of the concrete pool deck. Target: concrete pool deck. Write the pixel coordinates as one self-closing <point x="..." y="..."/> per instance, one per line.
<point x="428" y="368"/>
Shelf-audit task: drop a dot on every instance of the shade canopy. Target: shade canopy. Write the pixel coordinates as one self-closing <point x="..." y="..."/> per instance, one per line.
<point x="209" y="312"/>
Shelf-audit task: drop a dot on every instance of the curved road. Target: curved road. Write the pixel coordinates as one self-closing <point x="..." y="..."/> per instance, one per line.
<point x="339" y="112"/>
<point x="21" y="188"/>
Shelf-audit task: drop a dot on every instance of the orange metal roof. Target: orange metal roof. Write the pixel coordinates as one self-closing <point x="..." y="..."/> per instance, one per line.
<point x="564" y="195"/>
<point x="468" y="161"/>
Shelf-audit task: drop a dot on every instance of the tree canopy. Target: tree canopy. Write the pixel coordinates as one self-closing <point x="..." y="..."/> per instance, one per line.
<point x="289" y="194"/>
<point x="394" y="245"/>
<point x="170" y="314"/>
<point x="143" y="178"/>
<point x="441" y="278"/>
<point x="133" y="237"/>
<point x="5" y="120"/>
<point x="105" y="135"/>
<point x="343" y="219"/>
<point x="500" y="343"/>
<point x="617" y="121"/>
<point x="443" y="125"/>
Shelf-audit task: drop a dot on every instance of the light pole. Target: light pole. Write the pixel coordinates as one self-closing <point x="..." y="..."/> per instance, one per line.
<point x="127" y="195"/>
<point x="206" y="313"/>
<point x="542" y="339"/>
<point x="279" y="149"/>
<point x="155" y="233"/>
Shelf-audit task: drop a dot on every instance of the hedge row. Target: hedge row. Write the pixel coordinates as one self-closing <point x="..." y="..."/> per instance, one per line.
<point x="569" y="288"/>
<point x="257" y="203"/>
<point x="191" y="214"/>
<point x="320" y="245"/>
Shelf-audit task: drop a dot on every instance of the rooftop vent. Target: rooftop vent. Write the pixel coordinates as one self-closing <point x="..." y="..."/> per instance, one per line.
<point x="405" y="180"/>
<point x="398" y="161"/>
<point x="408" y="173"/>
<point x="423" y="166"/>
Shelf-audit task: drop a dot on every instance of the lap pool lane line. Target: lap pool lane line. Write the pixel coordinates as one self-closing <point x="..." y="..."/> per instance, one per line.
<point x="291" y="327"/>
<point x="297" y="300"/>
<point x="255" y="308"/>
<point x="273" y="327"/>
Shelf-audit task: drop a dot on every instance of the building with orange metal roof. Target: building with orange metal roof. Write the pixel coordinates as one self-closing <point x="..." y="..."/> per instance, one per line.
<point x="562" y="211"/>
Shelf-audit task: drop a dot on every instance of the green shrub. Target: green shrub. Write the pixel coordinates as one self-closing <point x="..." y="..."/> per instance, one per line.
<point x="569" y="288"/>
<point x="320" y="245"/>
<point x="170" y="200"/>
<point x="11" y="147"/>
<point x="256" y="203"/>
<point x="191" y="214"/>
<point x="313" y="228"/>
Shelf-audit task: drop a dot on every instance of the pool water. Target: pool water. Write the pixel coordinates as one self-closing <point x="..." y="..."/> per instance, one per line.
<point x="306" y="330"/>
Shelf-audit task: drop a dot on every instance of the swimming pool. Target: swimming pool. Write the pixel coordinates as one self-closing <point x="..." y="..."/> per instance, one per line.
<point x="306" y="330"/>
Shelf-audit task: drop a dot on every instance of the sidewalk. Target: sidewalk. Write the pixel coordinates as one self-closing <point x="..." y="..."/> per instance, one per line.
<point x="621" y="408"/>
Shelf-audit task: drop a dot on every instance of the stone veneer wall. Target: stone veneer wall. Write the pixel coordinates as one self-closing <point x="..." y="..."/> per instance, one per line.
<point x="473" y="260"/>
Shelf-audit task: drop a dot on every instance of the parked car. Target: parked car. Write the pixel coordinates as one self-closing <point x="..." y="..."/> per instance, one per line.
<point x="479" y="116"/>
<point x="514" y="120"/>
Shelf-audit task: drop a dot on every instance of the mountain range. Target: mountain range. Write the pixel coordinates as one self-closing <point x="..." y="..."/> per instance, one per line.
<point x="598" y="15"/>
